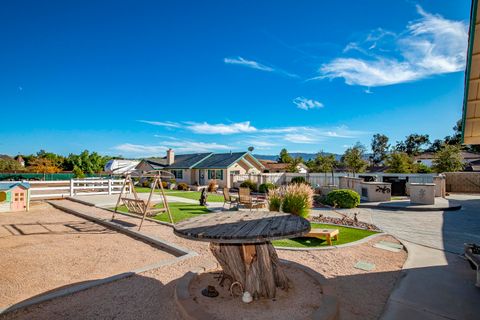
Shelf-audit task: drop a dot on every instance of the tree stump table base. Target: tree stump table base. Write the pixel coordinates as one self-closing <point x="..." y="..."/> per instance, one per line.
<point x="254" y="266"/>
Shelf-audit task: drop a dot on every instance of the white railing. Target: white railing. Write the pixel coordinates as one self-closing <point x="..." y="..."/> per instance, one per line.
<point x="74" y="187"/>
<point x="320" y="179"/>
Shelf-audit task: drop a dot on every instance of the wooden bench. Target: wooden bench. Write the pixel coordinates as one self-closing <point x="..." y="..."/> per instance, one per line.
<point x="324" y="233"/>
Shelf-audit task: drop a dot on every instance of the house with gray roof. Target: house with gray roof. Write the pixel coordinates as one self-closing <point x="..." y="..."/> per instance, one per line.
<point x="201" y="168"/>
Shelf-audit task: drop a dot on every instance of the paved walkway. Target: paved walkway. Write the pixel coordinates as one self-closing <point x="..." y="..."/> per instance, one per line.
<point x="438" y="282"/>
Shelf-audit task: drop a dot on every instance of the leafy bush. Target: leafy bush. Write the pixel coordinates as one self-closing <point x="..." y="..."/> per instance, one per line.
<point x="78" y="173"/>
<point x="212" y="186"/>
<point x="183" y="186"/>
<point x="298" y="180"/>
<point x="265" y="187"/>
<point x="164" y="184"/>
<point x="298" y="199"/>
<point x="275" y="198"/>
<point x="249" y="184"/>
<point x="343" y="198"/>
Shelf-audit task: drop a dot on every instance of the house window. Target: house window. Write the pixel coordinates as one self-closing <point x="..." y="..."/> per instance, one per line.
<point x="215" y="174"/>
<point x="235" y="172"/>
<point x="178" y="174"/>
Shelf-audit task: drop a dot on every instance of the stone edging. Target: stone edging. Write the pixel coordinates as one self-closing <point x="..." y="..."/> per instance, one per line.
<point x="189" y="310"/>
<point x="387" y="207"/>
<point x="88" y="285"/>
<point x="164" y="245"/>
<point x="350" y="244"/>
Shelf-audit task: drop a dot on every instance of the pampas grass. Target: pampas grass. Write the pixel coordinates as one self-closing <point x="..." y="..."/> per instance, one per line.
<point x="296" y="199"/>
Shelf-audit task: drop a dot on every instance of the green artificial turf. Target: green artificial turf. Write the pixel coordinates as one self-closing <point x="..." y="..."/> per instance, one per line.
<point x="180" y="211"/>
<point x="346" y="235"/>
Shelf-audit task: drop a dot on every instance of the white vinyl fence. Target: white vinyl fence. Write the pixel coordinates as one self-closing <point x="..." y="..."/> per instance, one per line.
<point x="74" y="187"/>
<point x="320" y="179"/>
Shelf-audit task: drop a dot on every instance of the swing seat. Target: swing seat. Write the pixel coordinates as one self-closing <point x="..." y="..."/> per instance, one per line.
<point x="139" y="206"/>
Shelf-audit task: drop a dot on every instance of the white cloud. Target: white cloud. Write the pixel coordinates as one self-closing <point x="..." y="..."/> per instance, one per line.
<point x="220" y="128"/>
<point x="140" y="149"/>
<point x="177" y="145"/>
<point x="248" y="63"/>
<point x="429" y="46"/>
<point x="258" y="137"/>
<point x="168" y="124"/>
<point x="257" y="65"/>
<point x="306" y="104"/>
<point x="300" y="138"/>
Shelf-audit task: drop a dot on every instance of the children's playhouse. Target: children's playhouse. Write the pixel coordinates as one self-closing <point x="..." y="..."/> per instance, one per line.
<point x="14" y="196"/>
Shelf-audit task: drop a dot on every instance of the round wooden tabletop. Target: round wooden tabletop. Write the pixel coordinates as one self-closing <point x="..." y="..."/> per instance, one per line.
<point x="242" y="227"/>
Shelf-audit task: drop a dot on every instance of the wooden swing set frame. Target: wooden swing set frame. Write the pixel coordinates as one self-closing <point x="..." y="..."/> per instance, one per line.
<point x="139" y="206"/>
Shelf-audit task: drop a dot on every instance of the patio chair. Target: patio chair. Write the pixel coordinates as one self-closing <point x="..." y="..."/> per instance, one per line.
<point x="246" y="199"/>
<point x="228" y="198"/>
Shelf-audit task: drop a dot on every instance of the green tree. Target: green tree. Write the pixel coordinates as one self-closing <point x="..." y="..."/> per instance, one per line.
<point x="293" y="164"/>
<point x="437" y="144"/>
<point x="324" y="163"/>
<point x="399" y="162"/>
<point x="413" y="144"/>
<point x="78" y="173"/>
<point x="284" y="156"/>
<point x="88" y="162"/>
<point x="448" y="159"/>
<point x="353" y="158"/>
<point x="421" y="168"/>
<point x="380" y="148"/>
<point x="9" y="165"/>
<point x="54" y="159"/>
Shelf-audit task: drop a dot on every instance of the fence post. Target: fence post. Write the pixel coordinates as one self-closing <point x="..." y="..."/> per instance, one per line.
<point x="72" y="192"/>
<point x="109" y="186"/>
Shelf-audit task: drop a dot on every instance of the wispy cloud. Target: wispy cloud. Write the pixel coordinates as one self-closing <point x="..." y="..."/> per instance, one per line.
<point x="257" y="65"/>
<point x="178" y="145"/>
<point x="220" y="128"/>
<point x="429" y="46"/>
<point x="300" y="138"/>
<point x="248" y="63"/>
<point x="260" y="138"/>
<point x="168" y="124"/>
<point x="306" y="104"/>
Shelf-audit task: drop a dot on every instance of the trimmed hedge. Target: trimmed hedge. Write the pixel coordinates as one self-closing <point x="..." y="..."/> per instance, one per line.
<point x="343" y="198"/>
<point x="264" y="187"/>
<point x="249" y="184"/>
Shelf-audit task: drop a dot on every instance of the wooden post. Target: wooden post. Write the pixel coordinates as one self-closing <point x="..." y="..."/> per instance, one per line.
<point x="72" y="191"/>
<point x="109" y="186"/>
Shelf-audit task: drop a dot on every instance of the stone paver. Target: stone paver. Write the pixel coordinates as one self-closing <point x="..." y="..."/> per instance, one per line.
<point x="438" y="282"/>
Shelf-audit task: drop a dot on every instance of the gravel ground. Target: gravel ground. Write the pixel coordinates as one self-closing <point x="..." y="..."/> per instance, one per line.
<point x="150" y="295"/>
<point x="46" y="249"/>
<point x="296" y="303"/>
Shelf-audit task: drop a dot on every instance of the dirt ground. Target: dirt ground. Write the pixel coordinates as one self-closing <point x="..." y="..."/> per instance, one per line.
<point x="46" y="249"/>
<point x="295" y="303"/>
<point x="150" y="295"/>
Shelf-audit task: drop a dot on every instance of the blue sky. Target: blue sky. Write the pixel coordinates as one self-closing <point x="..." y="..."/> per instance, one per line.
<point x="137" y="77"/>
